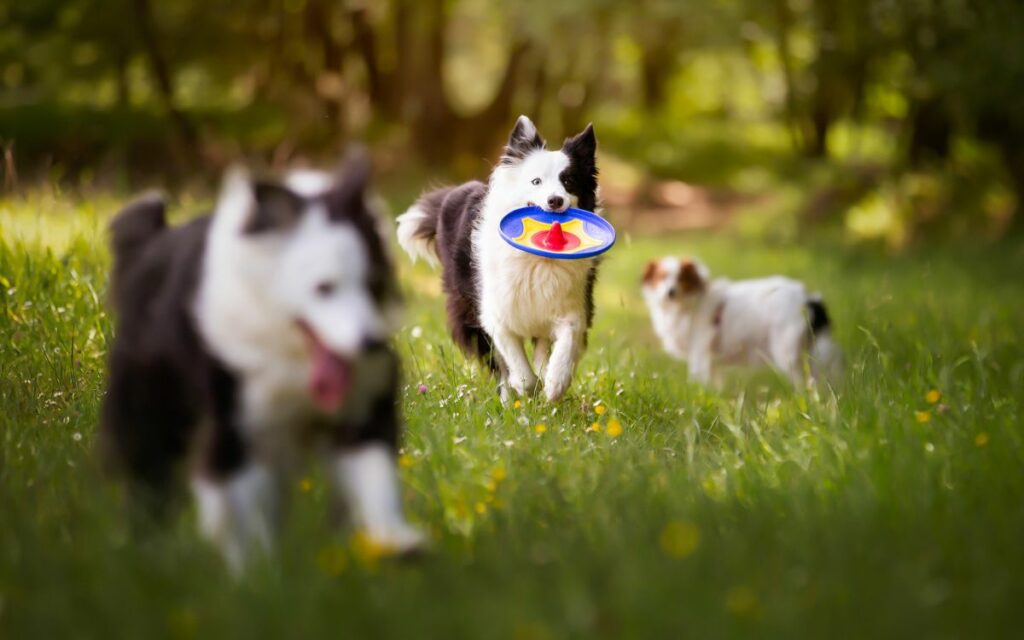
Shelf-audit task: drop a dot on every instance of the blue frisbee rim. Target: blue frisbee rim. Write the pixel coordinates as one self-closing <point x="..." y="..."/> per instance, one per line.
<point x="511" y="226"/>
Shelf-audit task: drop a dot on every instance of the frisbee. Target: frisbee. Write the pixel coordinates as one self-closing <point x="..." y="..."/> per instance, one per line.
<point x="570" y="235"/>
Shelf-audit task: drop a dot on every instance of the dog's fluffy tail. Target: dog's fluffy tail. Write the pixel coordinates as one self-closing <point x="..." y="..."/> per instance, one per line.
<point x="826" y="357"/>
<point x="131" y="231"/>
<point x="417" y="232"/>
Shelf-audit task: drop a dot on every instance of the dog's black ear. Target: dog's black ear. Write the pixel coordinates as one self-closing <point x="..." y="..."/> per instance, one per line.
<point x="276" y="207"/>
<point x="348" y="198"/>
<point x="350" y="202"/>
<point x="131" y="231"/>
<point x="523" y="139"/>
<point x="138" y="222"/>
<point x="582" y="173"/>
<point x="582" y="146"/>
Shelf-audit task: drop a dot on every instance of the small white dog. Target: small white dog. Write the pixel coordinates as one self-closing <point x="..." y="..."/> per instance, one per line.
<point x="766" y="321"/>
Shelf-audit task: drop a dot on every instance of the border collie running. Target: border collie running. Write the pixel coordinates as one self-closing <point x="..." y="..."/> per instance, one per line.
<point x="246" y="337"/>
<point x="707" y="323"/>
<point x="498" y="296"/>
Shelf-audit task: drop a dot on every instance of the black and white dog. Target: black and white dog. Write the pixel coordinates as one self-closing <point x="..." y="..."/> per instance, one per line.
<point x="248" y="336"/>
<point x="500" y="297"/>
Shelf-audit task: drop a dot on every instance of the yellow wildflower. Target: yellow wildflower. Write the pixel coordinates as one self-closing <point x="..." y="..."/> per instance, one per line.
<point x="741" y="601"/>
<point x="541" y="428"/>
<point x="305" y="485"/>
<point x="480" y="508"/>
<point x="600" y="409"/>
<point x="981" y="439"/>
<point x="594" y="427"/>
<point x="517" y="404"/>
<point x="332" y="559"/>
<point x="498" y="474"/>
<point x="679" y="539"/>
<point x="368" y="550"/>
<point x="614" y="428"/>
<point x="405" y="461"/>
<point x="922" y="416"/>
<point x="933" y="396"/>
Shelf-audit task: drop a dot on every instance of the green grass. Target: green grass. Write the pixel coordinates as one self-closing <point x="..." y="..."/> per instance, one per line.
<point x="753" y="511"/>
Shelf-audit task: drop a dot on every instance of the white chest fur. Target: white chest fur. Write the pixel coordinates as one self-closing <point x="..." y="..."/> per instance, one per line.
<point x="673" y="328"/>
<point x="527" y="293"/>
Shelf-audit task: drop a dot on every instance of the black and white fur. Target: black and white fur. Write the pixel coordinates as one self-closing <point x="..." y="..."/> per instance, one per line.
<point x="765" y="321"/>
<point x="248" y="337"/>
<point x="500" y="297"/>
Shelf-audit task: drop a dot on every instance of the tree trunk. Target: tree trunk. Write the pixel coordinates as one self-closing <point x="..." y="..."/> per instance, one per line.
<point x="656" y="68"/>
<point x="433" y="124"/>
<point x="783" y="24"/>
<point x="829" y="72"/>
<point x="490" y="123"/>
<point x="821" y="123"/>
<point x="366" y="44"/>
<point x="438" y="133"/>
<point x="1013" y="160"/>
<point x="399" y="83"/>
<point x="539" y="88"/>
<point x="318" y="26"/>
<point x="121" y="75"/>
<point x="998" y="130"/>
<point x="146" y="27"/>
<point x="589" y="70"/>
<point x="931" y="132"/>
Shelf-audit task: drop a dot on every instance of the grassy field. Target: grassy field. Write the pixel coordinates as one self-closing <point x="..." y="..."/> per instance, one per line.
<point x="640" y="506"/>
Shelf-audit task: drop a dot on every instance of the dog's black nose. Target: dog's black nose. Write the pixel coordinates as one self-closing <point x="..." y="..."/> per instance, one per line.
<point x="555" y="202"/>
<point x="672" y="292"/>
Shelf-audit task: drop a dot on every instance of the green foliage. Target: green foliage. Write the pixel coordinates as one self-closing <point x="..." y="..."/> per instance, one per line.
<point x="137" y="88"/>
<point x="755" y="510"/>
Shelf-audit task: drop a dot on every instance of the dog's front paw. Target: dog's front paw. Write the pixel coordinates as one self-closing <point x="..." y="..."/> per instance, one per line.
<point x="396" y="540"/>
<point x="523" y="385"/>
<point x="504" y="393"/>
<point x="556" y="384"/>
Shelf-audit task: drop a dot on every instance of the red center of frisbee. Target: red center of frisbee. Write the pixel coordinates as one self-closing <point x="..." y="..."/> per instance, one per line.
<point x="554" y="239"/>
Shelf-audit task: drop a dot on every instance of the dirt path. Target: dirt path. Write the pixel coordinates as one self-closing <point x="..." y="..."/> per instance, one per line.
<point x="672" y="205"/>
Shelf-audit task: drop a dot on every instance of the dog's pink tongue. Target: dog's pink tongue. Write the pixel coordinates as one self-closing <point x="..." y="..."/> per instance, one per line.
<point x="329" y="379"/>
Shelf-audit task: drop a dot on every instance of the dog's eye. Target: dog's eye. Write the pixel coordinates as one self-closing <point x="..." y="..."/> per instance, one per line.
<point x="535" y="181"/>
<point x="325" y="289"/>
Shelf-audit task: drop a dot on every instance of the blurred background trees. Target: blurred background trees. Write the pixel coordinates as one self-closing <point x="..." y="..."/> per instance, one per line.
<point x="885" y="117"/>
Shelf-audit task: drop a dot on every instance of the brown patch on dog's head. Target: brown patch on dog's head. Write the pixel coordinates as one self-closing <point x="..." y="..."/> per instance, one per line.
<point x="653" y="272"/>
<point x="690" y="278"/>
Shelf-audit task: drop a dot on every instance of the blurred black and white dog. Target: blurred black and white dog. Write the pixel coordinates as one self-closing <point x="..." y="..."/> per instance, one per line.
<point x="500" y="297"/>
<point x="245" y="338"/>
<point x="765" y="321"/>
